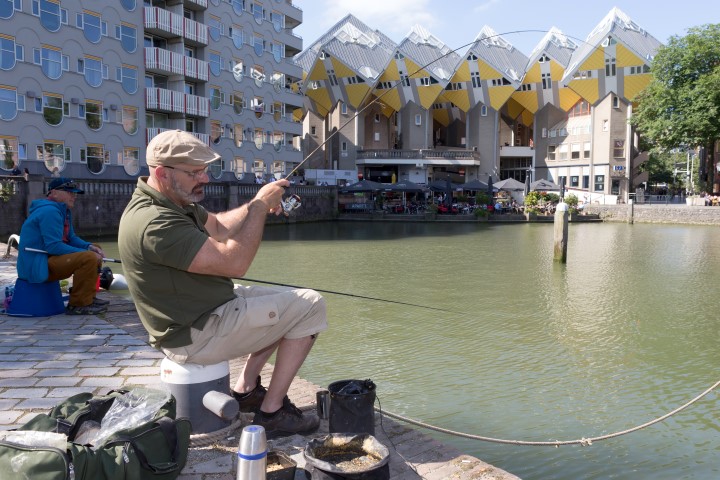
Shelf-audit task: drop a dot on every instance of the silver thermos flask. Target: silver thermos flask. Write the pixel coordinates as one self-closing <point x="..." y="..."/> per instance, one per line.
<point x="252" y="454"/>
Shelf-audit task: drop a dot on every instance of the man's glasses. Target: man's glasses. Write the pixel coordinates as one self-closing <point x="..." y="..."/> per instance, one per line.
<point x="196" y="175"/>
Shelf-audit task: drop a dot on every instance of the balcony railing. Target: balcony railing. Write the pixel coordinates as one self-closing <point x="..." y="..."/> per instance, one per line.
<point x="152" y="132"/>
<point x="171" y="62"/>
<point x="176" y="25"/>
<point x="420" y="154"/>
<point x="173" y="101"/>
<point x="164" y="100"/>
<point x="201" y="3"/>
<point x="197" y="106"/>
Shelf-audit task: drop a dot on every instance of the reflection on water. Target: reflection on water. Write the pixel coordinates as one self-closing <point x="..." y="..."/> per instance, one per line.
<point x="529" y="349"/>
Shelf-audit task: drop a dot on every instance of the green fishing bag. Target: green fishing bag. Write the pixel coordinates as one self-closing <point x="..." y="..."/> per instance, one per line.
<point x="153" y="445"/>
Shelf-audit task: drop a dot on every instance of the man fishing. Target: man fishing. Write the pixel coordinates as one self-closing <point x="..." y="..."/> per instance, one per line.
<point x="179" y="260"/>
<point x="49" y="250"/>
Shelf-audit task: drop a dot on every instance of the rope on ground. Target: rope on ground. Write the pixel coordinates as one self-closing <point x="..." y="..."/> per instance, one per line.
<point x="205" y="439"/>
<point x="583" y="441"/>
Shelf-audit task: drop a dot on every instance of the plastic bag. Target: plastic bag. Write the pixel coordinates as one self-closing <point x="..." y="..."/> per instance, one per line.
<point x="130" y="410"/>
<point x="35" y="439"/>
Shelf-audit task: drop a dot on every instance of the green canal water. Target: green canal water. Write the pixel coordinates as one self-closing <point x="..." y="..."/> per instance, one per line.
<point x="532" y="350"/>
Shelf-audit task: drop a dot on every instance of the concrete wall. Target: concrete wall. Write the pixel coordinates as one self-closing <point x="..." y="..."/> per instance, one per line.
<point x="671" y="214"/>
<point x="97" y="212"/>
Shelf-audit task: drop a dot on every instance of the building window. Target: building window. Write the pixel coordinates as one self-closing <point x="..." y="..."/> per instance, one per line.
<point x="130" y="119"/>
<point x="9" y="52"/>
<point x="128" y="5"/>
<point x="575" y="151"/>
<point x="483" y="110"/>
<point x="93" y="69"/>
<point x="50" y="13"/>
<point x="92" y="26"/>
<point x="8" y="153"/>
<point x="53" y="155"/>
<point x="238" y="134"/>
<point x="586" y="150"/>
<point x="546" y="81"/>
<point x="215" y="61"/>
<point x="95" y="157"/>
<point x="586" y="181"/>
<point x="574" y="181"/>
<point x="92" y="114"/>
<point x="563" y="152"/>
<point x="238" y="102"/>
<point x="236" y="33"/>
<point x="610" y="67"/>
<point x="618" y="148"/>
<point x="8" y="7"/>
<point x="377" y="118"/>
<point x="599" y="183"/>
<point x="53" y="109"/>
<point x="52" y="61"/>
<point x="605" y="125"/>
<point x="259" y="138"/>
<point x="580" y="108"/>
<point x="616" y="101"/>
<point x="127" y="34"/>
<point x="8" y="103"/>
<point x="418" y="119"/>
<point x="238" y="6"/>
<point x="312" y="131"/>
<point x="475" y="78"/>
<point x="215" y="131"/>
<point x="127" y="75"/>
<point x="343" y="108"/>
<point x="130" y="160"/>
<point x="376" y="136"/>
<point x="215" y="28"/>
<point x="551" y="152"/>
<point x="239" y="167"/>
<point x="215" y="98"/>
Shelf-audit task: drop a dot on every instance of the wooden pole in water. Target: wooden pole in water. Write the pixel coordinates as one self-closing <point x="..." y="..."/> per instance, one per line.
<point x="561" y="233"/>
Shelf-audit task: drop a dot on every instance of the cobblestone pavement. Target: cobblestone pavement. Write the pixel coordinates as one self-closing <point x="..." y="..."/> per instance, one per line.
<point x="44" y="360"/>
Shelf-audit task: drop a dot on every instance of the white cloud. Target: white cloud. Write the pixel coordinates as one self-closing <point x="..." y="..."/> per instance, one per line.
<point x="487" y="5"/>
<point x="394" y="18"/>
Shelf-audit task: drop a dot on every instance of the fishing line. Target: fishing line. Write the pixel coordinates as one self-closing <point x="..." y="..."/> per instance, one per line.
<point x="352" y="295"/>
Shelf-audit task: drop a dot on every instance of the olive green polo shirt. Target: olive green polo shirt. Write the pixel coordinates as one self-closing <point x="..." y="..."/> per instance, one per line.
<point x="158" y="241"/>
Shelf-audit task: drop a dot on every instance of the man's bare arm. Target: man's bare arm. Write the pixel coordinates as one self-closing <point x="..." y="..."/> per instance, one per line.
<point x="235" y="235"/>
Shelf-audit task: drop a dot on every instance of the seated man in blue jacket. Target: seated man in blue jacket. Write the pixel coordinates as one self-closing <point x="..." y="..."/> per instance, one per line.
<point x="49" y="249"/>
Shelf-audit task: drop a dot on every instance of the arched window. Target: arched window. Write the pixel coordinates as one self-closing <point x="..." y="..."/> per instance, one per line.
<point x="130" y="119"/>
<point x="130" y="160"/>
<point x="8" y="103"/>
<point x="50" y="13"/>
<point x="53" y="109"/>
<point x="127" y="34"/>
<point x="95" y="156"/>
<point x="8" y="51"/>
<point x="93" y="114"/>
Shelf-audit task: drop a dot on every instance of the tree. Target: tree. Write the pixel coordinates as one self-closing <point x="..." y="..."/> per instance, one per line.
<point x="681" y="105"/>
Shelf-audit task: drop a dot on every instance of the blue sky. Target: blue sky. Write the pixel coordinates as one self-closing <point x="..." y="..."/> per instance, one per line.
<point x="457" y="22"/>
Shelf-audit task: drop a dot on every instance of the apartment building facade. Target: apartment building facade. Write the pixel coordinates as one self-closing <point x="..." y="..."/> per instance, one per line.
<point x="419" y="111"/>
<point x="85" y="86"/>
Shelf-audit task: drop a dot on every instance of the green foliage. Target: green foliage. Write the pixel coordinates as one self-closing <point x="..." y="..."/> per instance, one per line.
<point x="480" y="213"/>
<point x="432" y="208"/>
<point x="572" y="202"/>
<point x="681" y="105"/>
<point x="482" y="199"/>
<point x="6" y="191"/>
<point x="532" y="199"/>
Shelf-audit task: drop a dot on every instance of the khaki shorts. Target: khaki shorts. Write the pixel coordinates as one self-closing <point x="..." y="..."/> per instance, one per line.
<point x="257" y="318"/>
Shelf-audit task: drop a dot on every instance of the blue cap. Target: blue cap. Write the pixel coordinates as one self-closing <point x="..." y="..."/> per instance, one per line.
<point x="65" y="184"/>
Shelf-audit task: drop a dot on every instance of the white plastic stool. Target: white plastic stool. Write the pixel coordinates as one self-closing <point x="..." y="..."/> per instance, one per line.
<point x="202" y="393"/>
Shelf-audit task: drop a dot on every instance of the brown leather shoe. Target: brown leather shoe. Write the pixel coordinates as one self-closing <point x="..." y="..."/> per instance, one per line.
<point x="289" y="420"/>
<point x="250" y="402"/>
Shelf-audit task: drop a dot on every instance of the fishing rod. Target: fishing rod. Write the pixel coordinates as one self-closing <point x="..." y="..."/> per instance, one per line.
<point x="114" y="260"/>
<point x="352" y="295"/>
<point x="37" y="250"/>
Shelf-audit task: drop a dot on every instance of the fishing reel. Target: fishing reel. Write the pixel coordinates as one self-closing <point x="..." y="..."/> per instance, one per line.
<point x="290" y="203"/>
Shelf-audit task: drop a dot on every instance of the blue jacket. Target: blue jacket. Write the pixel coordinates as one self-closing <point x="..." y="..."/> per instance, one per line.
<point x="43" y="230"/>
